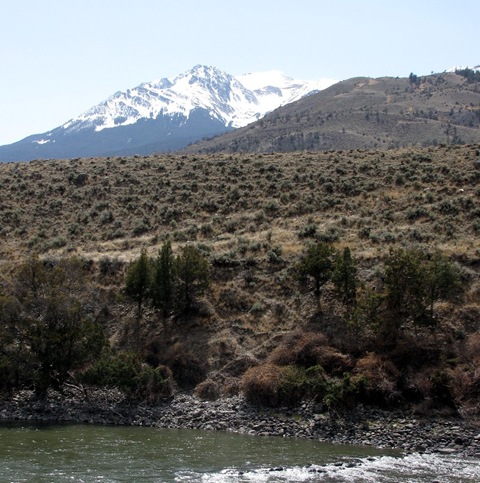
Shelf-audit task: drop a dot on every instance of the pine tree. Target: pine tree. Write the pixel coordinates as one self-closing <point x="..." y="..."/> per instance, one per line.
<point x="317" y="264"/>
<point x="191" y="270"/>
<point x="414" y="281"/>
<point x="137" y="280"/>
<point x="162" y="287"/>
<point x="46" y="330"/>
<point x="344" y="278"/>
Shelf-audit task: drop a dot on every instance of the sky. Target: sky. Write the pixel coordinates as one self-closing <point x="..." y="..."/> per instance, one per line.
<point x="59" y="58"/>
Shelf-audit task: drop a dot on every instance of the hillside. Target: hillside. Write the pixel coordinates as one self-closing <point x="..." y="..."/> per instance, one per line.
<point x="252" y="217"/>
<point x="96" y="206"/>
<point x="366" y="113"/>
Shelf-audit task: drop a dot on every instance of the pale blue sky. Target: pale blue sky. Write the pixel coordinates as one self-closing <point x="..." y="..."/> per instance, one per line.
<point x="60" y="57"/>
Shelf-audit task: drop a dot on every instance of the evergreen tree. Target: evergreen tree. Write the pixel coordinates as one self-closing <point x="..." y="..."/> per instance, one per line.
<point x="137" y="280"/>
<point x="344" y="277"/>
<point x="442" y="281"/>
<point x="414" y="281"/>
<point x="47" y="330"/>
<point x="404" y="289"/>
<point x="162" y="287"/>
<point x="192" y="273"/>
<point x="317" y="265"/>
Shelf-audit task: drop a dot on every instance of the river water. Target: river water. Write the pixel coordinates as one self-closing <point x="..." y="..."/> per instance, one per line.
<point x="83" y="453"/>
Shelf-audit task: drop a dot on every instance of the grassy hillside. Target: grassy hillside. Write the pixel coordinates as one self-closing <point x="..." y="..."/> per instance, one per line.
<point x="366" y="113"/>
<point x="365" y="198"/>
<point x="252" y="217"/>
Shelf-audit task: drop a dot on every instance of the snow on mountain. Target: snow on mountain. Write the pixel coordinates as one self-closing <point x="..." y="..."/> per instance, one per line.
<point x="462" y="67"/>
<point x="235" y="101"/>
<point x="165" y="115"/>
<point x="274" y="89"/>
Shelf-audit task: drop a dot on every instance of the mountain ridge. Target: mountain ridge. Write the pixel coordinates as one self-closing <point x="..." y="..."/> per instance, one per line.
<point x="366" y="113"/>
<point x="172" y="112"/>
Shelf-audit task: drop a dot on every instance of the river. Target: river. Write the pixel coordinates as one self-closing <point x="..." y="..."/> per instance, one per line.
<point x="87" y="453"/>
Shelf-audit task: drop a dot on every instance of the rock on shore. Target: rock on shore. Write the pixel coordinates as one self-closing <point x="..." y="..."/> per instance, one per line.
<point x="363" y="426"/>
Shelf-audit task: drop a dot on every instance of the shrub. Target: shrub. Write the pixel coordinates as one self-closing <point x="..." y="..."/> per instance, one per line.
<point x="414" y="213"/>
<point x="126" y="372"/>
<point x="299" y="383"/>
<point x="329" y="236"/>
<point x="106" y="217"/>
<point x="333" y="361"/>
<point x="257" y="307"/>
<point x="471" y="350"/>
<point x="466" y="389"/>
<point x="345" y="392"/>
<point x="240" y="365"/>
<point x="308" y="231"/>
<point x="299" y="348"/>
<point x="109" y="266"/>
<point x="206" y="229"/>
<point x="113" y="370"/>
<point x="154" y="384"/>
<point x="380" y="376"/>
<point x="260" y="385"/>
<point x="272" y="386"/>
<point x="57" y="242"/>
<point x="275" y="254"/>
<point x="187" y="369"/>
<point x="208" y="390"/>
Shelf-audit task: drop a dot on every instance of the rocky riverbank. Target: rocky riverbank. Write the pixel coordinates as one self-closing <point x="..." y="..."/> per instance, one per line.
<point x="364" y="426"/>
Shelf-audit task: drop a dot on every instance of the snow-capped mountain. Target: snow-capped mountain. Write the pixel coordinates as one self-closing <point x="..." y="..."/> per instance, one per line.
<point x="166" y="115"/>
<point x="235" y="101"/>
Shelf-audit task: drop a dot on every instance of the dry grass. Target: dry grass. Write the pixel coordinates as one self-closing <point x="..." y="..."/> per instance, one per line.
<point x="262" y="385"/>
<point x="235" y="203"/>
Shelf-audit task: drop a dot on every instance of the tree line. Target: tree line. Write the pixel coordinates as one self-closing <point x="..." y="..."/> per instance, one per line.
<point x="412" y="282"/>
<point x="170" y="283"/>
<point x="51" y="332"/>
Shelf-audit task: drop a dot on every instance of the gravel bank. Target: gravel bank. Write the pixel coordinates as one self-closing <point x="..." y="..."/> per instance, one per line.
<point x="364" y="426"/>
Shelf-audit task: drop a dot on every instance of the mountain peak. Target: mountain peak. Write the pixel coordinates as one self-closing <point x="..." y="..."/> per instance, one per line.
<point x="235" y="101"/>
<point x="200" y="97"/>
<point x="205" y="70"/>
<point x="203" y="74"/>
